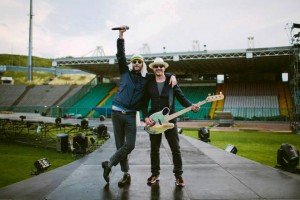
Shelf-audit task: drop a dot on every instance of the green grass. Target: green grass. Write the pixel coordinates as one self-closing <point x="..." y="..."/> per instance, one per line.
<point x="42" y="78"/>
<point x="21" y="60"/>
<point x="20" y="77"/>
<point x="17" y="161"/>
<point x="258" y="146"/>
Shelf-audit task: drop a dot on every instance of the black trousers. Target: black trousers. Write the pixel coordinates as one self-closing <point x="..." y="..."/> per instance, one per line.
<point x="173" y="141"/>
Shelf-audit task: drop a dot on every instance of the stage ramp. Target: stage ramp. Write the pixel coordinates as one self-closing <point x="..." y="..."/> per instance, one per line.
<point x="209" y="172"/>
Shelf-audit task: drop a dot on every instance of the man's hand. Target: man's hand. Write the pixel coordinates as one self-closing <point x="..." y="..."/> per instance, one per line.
<point x="122" y="31"/>
<point x="173" y="81"/>
<point x="195" y="107"/>
<point x="149" y="122"/>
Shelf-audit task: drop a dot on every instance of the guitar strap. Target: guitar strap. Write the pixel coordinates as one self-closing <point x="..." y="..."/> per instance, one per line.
<point x="170" y="97"/>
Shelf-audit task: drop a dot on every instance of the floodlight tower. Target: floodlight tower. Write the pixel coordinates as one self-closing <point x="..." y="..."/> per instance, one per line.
<point x="29" y="59"/>
<point x="250" y="42"/>
<point x="145" y="49"/>
<point x="98" y="52"/>
<point x="196" y="45"/>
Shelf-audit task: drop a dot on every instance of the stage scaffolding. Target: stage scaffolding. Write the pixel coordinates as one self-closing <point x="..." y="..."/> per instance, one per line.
<point x="294" y="33"/>
<point x="34" y="129"/>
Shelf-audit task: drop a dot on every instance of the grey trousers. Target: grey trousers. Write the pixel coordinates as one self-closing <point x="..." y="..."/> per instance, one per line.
<point x="124" y="126"/>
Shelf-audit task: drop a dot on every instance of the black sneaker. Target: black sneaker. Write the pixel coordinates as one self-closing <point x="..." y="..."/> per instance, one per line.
<point x="179" y="181"/>
<point x="152" y="179"/>
<point x="125" y="180"/>
<point x="106" y="170"/>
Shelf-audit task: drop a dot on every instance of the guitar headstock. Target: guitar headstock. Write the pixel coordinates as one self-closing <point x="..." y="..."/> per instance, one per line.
<point x="215" y="97"/>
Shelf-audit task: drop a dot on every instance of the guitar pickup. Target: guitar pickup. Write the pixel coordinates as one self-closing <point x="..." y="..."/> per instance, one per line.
<point x="159" y="122"/>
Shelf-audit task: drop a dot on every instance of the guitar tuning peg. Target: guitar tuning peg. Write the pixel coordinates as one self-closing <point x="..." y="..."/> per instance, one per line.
<point x="209" y="94"/>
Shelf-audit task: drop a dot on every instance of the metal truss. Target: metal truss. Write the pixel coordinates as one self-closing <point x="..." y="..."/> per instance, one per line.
<point x="199" y="55"/>
<point x="295" y="84"/>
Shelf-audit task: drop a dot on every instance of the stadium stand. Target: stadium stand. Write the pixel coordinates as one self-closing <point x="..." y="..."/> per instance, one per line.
<point x="90" y="100"/>
<point x="248" y="100"/>
<point x="104" y="107"/>
<point x="253" y="99"/>
<point x="40" y="96"/>
<point x="196" y="94"/>
<point x="72" y="90"/>
<point x="9" y="94"/>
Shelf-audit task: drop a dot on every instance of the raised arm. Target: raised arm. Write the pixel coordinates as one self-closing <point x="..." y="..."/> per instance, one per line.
<point x="121" y="52"/>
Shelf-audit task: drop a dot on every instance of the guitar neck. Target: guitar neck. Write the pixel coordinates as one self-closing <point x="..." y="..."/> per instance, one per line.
<point x="181" y="112"/>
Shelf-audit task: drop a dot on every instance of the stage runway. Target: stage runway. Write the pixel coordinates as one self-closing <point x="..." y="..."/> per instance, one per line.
<point x="209" y="172"/>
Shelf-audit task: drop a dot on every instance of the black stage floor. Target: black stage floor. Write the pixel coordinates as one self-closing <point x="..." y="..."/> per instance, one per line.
<point x="209" y="172"/>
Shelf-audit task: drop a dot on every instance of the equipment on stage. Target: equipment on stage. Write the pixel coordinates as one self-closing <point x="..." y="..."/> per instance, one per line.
<point x="162" y="120"/>
<point x="22" y="117"/>
<point x="58" y="121"/>
<point x="62" y="144"/>
<point x="102" y="118"/>
<point x="79" y="144"/>
<point x="102" y="132"/>
<point x="84" y="124"/>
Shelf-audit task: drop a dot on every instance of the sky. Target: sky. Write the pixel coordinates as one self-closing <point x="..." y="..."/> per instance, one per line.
<point x="77" y="28"/>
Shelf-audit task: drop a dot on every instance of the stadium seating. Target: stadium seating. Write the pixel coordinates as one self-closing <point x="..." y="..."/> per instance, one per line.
<point x="10" y="93"/>
<point x="39" y="97"/>
<point x="250" y="100"/>
<point x="245" y="100"/>
<point x="196" y="94"/>
<point x="91" y="99"/>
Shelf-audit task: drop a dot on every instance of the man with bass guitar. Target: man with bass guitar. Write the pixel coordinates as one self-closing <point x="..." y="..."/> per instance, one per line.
<point x="162" y="97"/>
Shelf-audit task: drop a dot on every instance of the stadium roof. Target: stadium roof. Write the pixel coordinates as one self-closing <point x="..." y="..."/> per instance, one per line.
<point x="260" y="60"/>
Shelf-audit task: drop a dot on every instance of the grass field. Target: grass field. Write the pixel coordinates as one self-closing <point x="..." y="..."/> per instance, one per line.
<point x="17" y="161"/>
<point x="258" y="146"/>
<point x="42" y="78"/>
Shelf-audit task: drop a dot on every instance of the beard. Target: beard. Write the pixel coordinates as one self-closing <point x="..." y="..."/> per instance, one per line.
<point x="137" y="69"/>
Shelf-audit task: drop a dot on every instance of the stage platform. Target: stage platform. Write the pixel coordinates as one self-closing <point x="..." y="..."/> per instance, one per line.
<point x="209" y="172"/>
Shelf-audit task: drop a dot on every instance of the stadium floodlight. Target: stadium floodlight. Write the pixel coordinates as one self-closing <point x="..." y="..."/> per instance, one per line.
<point x="287" y="157"/>
<point x="41" y="165"/>
<point x="93" y="140"/>
<point x="231" y="148"/>
<point x="203" y="134"/>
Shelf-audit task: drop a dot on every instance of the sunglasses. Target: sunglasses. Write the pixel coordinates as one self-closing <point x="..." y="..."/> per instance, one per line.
<point x="137" y="62"/>
<point x="158" y="66"/>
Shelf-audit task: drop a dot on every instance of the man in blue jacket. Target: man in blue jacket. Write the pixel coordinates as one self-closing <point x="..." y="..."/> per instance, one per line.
<point x="127" y="101"/>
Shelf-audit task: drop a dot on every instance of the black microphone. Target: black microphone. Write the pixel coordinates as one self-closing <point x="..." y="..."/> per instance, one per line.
<point x="120" y="28"/>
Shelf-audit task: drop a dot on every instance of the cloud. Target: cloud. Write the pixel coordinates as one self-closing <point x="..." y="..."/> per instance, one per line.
<point x="76" y="27"/>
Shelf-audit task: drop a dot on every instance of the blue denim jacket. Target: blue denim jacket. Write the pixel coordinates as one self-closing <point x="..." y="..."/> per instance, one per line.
<point x="131" y="87"/>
